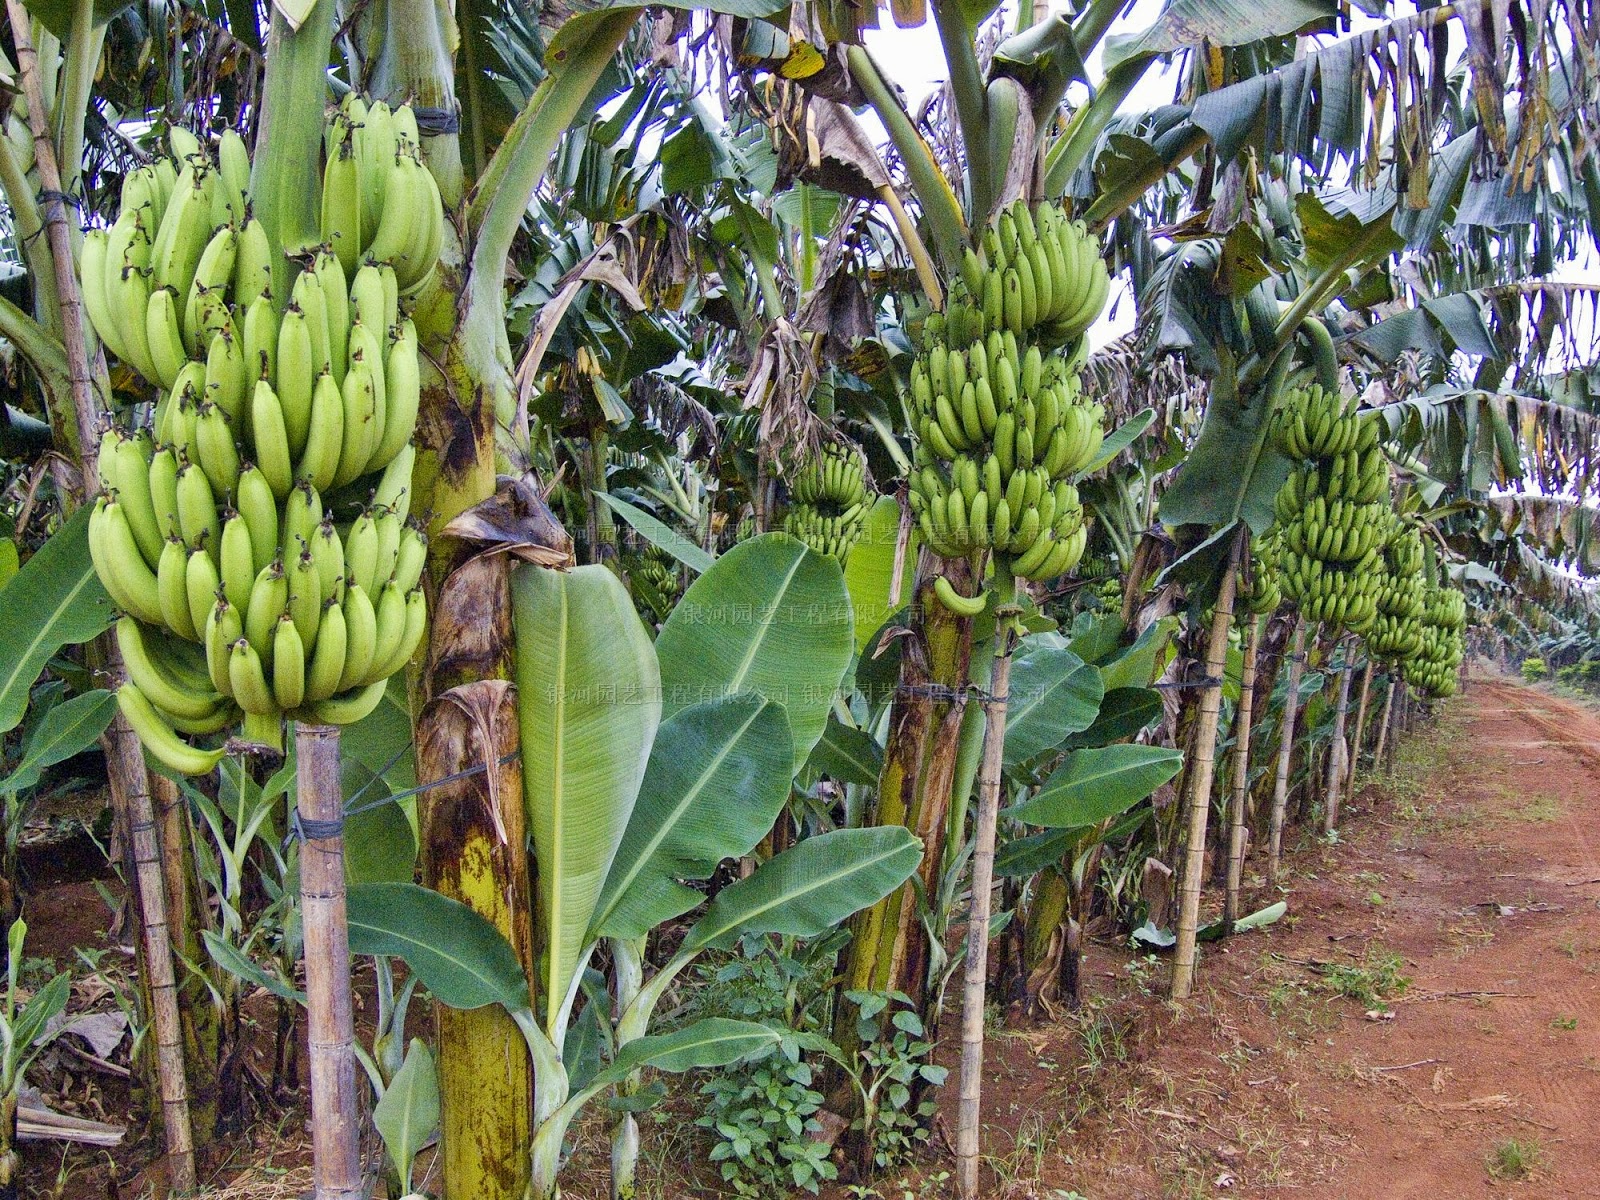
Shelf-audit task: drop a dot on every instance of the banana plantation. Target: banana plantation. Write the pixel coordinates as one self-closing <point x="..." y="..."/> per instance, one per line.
<point x="626" y="600"/>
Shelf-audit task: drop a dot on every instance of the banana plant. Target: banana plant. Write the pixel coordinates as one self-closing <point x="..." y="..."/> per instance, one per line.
<point x="624" y="806"/>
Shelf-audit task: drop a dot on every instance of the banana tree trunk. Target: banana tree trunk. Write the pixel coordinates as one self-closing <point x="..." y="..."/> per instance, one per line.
<point x="975" y="970"/>
<point x="474" y="849"/>
<point x="1336" y="754"/>
<point x="891" y="948"/>
<point x="1205" y="757"/>
<point x="1280" y="787"/>
<point x="330" y="1011"/>
<point x="1241" y="776"/>
<point x="1360" y="737"/>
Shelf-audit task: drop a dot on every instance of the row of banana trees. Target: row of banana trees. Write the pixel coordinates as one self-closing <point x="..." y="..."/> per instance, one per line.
<point x="675" y="264"/>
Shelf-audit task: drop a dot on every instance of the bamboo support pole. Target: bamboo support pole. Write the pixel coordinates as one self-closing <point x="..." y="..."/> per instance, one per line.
<point x="1383" y="725"/>
<point x="1280" y="787"/>
<point x="1241" y="775"/>
<point x="126" y="772"/>
<point x="975" y="979"/>
<point x="335" y="1106"/>
<point x="125" y="769"/>
<point x="53" y="203"/>
<point x="1336" y="753"/>
<point x="1360" y="737"/>
<point x="1205" y="761"/>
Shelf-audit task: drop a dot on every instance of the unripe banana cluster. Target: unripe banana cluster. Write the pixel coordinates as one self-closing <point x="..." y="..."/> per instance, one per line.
<point x="1260" y="592"/>
<point x="1037" y="276"/>
<point x="1332" y="521"/>
<point x="1433" y="669"/>
<point x="654" y="578"/>
<point x="830" y="501"/>
<point x="248" y="609"/>
<point x="1396" y="632"/>
<point x="1000" y="422"/>
<point x="243" y="594"/>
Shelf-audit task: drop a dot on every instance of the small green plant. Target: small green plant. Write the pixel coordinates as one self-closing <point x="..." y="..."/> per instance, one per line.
<point x="22" y="1037"/>
<point x="1515" y="1158"/>
<point x="892" y="1067"/>
<point x="1371" y="982"/>
<point x="1533" y="669"/>
<point x="764" y="1116"/>
<point x="1564" y="1024"/>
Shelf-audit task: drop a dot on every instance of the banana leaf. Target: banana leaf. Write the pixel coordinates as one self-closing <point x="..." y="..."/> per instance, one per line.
<point x="589" y="702"/>
<point x="809" y="889"/>
<point x="54" y="601"/>
<point x="1053" y="694"/>
<point x="717" y="779"/>
<point x="869" y="570"/>
<point x="769" y="617"/>
<point x="459" y="956"/>
<point x="1095" y="784"/>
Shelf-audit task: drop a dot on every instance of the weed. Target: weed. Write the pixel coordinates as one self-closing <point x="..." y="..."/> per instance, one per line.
<point x="1371" y="981"/>
<point x="1565" y="1024"/>
<point x="1515" y="1158"/>
<point x="1102" y="1036"/>
<point x="1539" y="810"/>
<point x="1569" y="945"/>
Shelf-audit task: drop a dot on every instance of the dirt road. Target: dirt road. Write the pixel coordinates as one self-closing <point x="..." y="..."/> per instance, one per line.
<point x="1425" y="1025"/>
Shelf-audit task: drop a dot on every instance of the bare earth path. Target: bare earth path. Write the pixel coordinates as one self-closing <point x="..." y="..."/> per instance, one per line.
<point x="1476" y="876"/>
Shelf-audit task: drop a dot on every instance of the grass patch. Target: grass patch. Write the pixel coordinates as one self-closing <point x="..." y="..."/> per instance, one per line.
<point x="1514" y="1158"/>
<point x="1370" y="982"/>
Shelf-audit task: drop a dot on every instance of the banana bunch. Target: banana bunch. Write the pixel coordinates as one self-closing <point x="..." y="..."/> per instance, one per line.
<point x="179" y="286"/>
<point x="830" y="501"/>
<point x="836" y="477"/>
<point x="1340" y="532"/>
<point x="1313" y="423"/>
<point x="1001" y="423"/>
<point x="1447" y="608"/>
<point x="1036" y="275"/>
<point x="250" y="609"/>
<point x="1394" y="639"/>
<point x="1395" y="634"/>
<point x="380" y="204"/>
<point x="653" y="575"/>
<point x="1343" y="595"/>
<point x="1333" y="522"/>
<point x="1259" y="589"/>
<point x="1434" y="666"/>
<point x="161" y="283"/>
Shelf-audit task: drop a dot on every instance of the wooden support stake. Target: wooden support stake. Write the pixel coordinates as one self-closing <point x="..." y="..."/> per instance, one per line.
<point x="335" y="1106"/>
<point x="1280" y="787"/>
<point x="1383" y="724"/>
<point x="1241" y="775"/>
<point x="1360" y="737"/>
<point x="125" y="769"/>
<point x="1336" y="753"/>
<point x="975" y="980"/>
<point x="1205" y="763"/>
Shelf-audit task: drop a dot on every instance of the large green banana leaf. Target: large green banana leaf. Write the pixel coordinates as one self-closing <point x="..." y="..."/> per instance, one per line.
<point x="769" y="617"/>
<point x="589" y="701"/>
<point x="54" y="601"/>
<point x="460" y="957"/>
<point x="869" y="571"/>
<point x="810" y="888"/>
<point x="67" y="729"/>
<point x="1093" y="785"/>
<point x="1053" y="693"/>
<point x="717" y="778"/>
